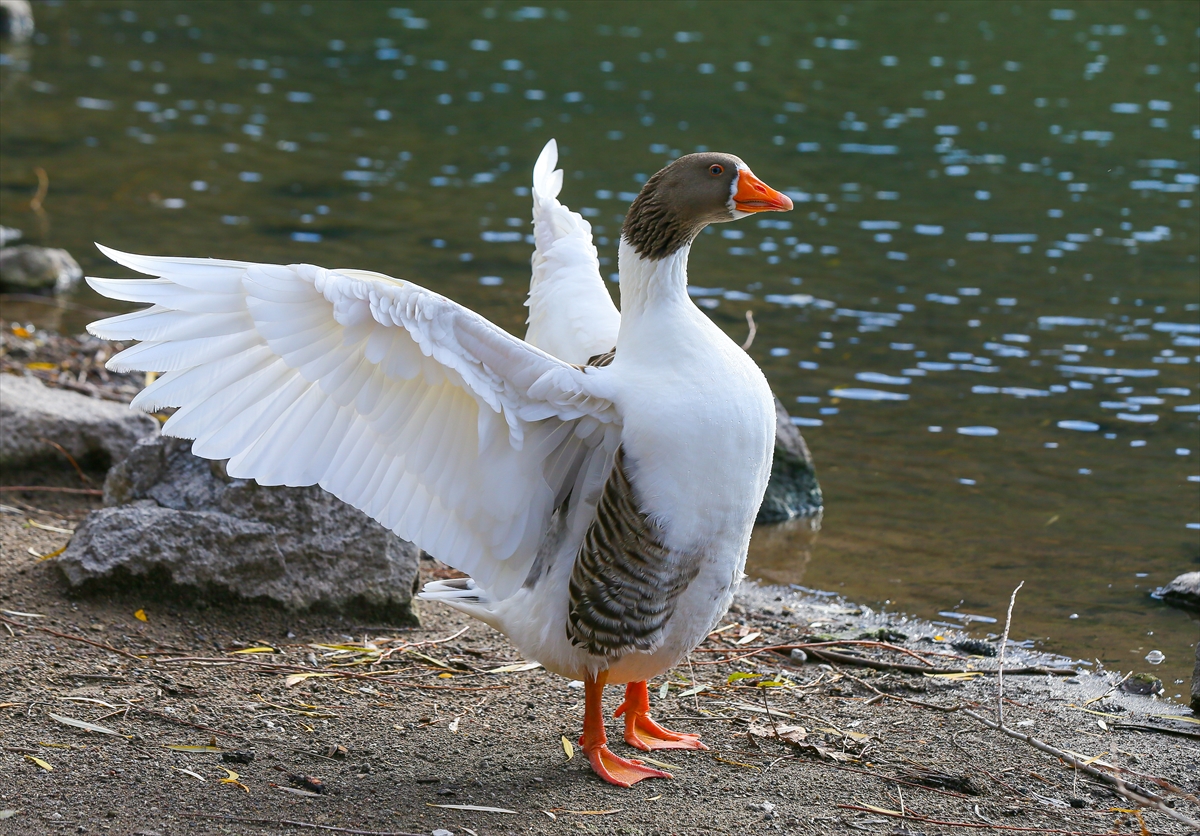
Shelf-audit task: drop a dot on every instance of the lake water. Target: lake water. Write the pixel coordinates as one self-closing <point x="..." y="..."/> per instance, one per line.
<point x="983" y="311"/>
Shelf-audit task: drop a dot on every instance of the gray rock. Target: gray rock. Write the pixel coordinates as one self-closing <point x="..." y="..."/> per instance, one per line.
<point x="1183" y="592"/>
<point x="16" y="20"/>
<point x="182" y="519"/>
<point x="7" y="233"/>
<point x="30" y="269"/>
<point x="94" y="431"/>
<point x="793" y="490"/>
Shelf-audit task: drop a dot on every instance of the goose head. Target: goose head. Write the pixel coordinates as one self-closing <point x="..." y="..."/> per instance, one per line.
<point x="689" y="194"/>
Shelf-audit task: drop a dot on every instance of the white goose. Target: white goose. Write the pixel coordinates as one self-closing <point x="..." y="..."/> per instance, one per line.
<point x="603" y="511"/>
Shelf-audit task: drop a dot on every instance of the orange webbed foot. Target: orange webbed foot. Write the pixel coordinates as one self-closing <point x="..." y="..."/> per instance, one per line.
<point x="620" y="771"/>
<point x="643" y="733"/>
<point x="615" y="770"/>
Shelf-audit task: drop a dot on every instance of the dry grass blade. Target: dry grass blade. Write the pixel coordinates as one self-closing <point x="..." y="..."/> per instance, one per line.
<point x="83" y="724"/>
<point x="472" y="807"/>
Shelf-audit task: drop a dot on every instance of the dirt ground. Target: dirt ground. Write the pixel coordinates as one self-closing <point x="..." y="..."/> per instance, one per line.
<point x="399" y="725"/>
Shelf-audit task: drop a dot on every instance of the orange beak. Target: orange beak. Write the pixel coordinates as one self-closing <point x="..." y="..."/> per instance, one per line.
<point x="753" y="195"/>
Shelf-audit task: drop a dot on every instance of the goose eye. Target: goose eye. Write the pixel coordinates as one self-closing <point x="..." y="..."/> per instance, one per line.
<point x="716" y="171"/>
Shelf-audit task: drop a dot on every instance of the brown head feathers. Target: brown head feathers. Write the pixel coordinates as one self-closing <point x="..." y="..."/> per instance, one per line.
<point x="679" y="201"/>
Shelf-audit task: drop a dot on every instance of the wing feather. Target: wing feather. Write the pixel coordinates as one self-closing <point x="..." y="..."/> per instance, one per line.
<point x="571" y="314"/>
<point x="451" y="432"/>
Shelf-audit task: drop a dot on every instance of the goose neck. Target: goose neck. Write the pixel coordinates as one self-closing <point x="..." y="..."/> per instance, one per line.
<point x="648" y="284"/>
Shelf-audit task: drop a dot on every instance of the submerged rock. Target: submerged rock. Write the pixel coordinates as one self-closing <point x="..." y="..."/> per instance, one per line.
<point x="1183" y="592"/>
<point x="93" y="431"/>
<point x="29" y="269"/>
<point x="176" y="517"/>
<point x="793" y="490"/>
<point x="1196" y="682"/>
<point x="1143" y="684"/>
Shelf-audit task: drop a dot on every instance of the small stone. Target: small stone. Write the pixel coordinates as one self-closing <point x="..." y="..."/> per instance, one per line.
<point x="237" y="757"/>
<point x="798" y="655"/>
<point x="30" y="269"/>
<point x="1077" y="803"/>
<point x="976" y="647"/>
<point x="760" y="807"/>
<point x="442" y="832"/>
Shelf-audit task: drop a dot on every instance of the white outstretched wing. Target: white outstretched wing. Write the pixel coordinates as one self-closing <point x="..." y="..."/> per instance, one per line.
<point x="446" y="429"/>
<point x="571" y="314"/>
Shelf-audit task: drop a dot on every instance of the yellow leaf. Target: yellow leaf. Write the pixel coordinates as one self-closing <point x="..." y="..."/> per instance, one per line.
<point x="180" y="748"/>
<point x="40" y="367"/>
<point x="740" y="675"/>
<point x="233" y="779"/>
<point x="39" y="762"/>
<point x="568" y="748"/>
<point x="140" y="615"/>
<point x="54" y="553"/>
<point x="663" y="764"/>
<point x="259" y="649"/>
<point x="297" y="678"/>
<point x="21" y="332"/>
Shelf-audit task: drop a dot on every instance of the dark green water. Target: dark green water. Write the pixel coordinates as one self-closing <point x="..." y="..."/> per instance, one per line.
<point x="995" y="227"/>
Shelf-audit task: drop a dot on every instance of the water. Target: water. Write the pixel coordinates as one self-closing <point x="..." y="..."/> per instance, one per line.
<point x="983" y="311"/>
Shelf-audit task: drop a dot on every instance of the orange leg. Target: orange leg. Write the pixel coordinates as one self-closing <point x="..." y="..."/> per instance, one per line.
<point x="643" y="733"/>
<point x="615" y="770"/>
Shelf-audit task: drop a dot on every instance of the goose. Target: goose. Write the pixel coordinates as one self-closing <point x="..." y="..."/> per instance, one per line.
<point x="596" y="482"/>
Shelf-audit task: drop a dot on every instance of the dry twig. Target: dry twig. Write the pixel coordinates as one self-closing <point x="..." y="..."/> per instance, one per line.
<point x="49" y="489"/>
<point x="1142" y="797"/>
<point x="1003" y="648"/>
<point x="753" y="331"/>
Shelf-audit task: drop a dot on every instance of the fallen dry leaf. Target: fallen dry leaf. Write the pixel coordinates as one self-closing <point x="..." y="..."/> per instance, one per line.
<point x="233" y="779"/>
<point x="39" y="762"/>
